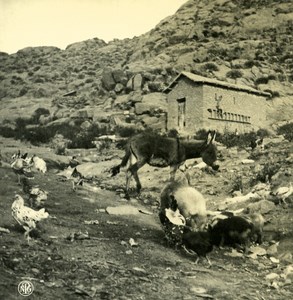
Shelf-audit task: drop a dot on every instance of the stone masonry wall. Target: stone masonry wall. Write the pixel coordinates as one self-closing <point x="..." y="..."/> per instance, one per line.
<point x="234" y="110"/>
<point x="194" y="106"/>
<point x="239" y="110"/>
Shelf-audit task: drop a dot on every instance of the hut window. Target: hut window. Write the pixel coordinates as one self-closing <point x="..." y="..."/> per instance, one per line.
<point x="181" y="112"/>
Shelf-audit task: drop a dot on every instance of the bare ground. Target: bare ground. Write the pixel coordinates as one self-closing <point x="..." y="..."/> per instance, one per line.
<point x="100" y="263"/>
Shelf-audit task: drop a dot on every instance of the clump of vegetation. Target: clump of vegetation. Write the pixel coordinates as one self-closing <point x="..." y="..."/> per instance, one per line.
<point x="209" y="67"/>
<point x="237" y="184"/>
<point x="266" y="173"/>
<point x="234" y="74"/>
<point x="287" y="131"/>
<point x="26" y="130"/>
<point x="231" y="139"/>
<point x="261" y="80"/>
<point x="126" y="131"/>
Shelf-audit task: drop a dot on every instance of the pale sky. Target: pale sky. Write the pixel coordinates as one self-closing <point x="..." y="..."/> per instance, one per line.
<point x="25" y="23"/>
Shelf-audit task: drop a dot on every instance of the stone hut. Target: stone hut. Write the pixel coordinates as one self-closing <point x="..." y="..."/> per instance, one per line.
<point x="196" y="102"/>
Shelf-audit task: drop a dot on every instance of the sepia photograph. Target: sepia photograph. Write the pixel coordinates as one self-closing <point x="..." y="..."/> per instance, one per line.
<point x="146" y="149"/>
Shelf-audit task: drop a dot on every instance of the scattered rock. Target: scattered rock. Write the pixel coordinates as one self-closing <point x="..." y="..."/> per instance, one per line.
<point x="4" y="230"/>
<point x="247" y="161"/>
<point x="133" y="243"/>
<point x="122" y="210"/>
<point x="262" y="207"/>
<point x="92" y="222"/>
<point x="273" y="249"/>
<point x="272" y="276"/>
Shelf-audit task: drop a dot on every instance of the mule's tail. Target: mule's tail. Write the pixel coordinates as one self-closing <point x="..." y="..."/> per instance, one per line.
<point x="116" y="169"/>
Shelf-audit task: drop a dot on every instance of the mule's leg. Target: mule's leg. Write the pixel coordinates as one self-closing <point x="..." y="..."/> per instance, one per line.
<point x="187" y="175"/>
<point x="173" y="170"/>
<point x="128" y="178"/>
<point x="134" y="169"/>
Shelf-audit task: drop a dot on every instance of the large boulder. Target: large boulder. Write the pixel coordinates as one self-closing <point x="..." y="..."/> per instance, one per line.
<point x="119" y="76"/>
<point x="108" y="81"/>
<point x="151" y="103"/>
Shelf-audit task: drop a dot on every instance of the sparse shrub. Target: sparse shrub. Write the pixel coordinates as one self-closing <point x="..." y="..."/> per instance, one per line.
<point x="126" y="131"/>
<point x="262" y="132"/>
<point x="105" y="145"/>
<point x="261" y="80"/>
<point x="234" y="74"/>
<point x="249" y="64"/>
<point x="82" y="140"/>
<point x="173" y="133"/>
<point x="275" y="94"/>
<point x="217" y="52"/>
<point x="7" y="132"/>
<point x="23" y="91"/>
<point x="266" y="173"/>
<point x="287" y="131"/>
<point x="89" y="80"/>
<point x="201" y="134"/>
<point x="237" y="66"/>
<point x="91" y="73"/>
<point x="272" y="77"/>
<point x="81" y="76"/>
<point x="237" y="183"/>
<point x="210" y="67"/>
<point x="37" y="113"/>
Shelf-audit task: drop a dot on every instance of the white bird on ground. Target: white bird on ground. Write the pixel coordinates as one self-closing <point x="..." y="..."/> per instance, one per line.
<point x="21" y="167"/>
<point x="25" y="216"/>
<point x="39" y="164"/>
<point x="283" y="192"/>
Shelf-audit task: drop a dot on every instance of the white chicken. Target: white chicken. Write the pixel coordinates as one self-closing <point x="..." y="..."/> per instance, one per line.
<point x="21" y="167"/>
<point x="283" y="192"/>
<point x="37" y="196"/>
<point x="25" y="216"/>
<point x="39" y="163"/>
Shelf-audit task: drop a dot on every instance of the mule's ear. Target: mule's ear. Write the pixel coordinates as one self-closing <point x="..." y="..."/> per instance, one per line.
<point x="211" y="137"/>
<point x="214" y="136"/>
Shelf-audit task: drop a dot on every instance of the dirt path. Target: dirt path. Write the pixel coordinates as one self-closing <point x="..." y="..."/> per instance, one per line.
<point x="69" y="259"/>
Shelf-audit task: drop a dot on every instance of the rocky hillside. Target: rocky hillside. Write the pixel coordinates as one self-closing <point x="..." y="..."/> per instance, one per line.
<point x="121" y="82"/>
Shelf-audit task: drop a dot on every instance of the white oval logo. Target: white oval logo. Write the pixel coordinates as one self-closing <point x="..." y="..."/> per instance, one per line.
<point x="25" y="288"/>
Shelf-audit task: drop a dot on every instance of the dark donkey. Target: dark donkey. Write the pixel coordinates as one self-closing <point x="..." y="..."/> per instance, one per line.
<point x="160" y="151"/>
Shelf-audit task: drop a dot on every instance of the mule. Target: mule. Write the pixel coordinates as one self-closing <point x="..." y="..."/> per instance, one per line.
<point x="160" y="151"/>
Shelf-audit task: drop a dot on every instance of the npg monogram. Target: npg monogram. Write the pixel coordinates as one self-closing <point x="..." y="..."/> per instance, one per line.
<point x="25" y="288"/>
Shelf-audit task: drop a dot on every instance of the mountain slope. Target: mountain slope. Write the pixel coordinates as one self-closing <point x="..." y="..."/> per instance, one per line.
<point x="246" y="42"/>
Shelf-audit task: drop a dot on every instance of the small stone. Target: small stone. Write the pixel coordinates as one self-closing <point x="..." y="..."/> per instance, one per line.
<point x="272" y="276"/>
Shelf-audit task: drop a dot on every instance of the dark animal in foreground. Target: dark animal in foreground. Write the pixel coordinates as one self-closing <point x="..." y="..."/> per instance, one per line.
<point x="234" y="231"/>
<point x="160" y="151"/>
<point x="197" y="241"/>
<point x="189" y="201"/>
<point x="256" y="219"/>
